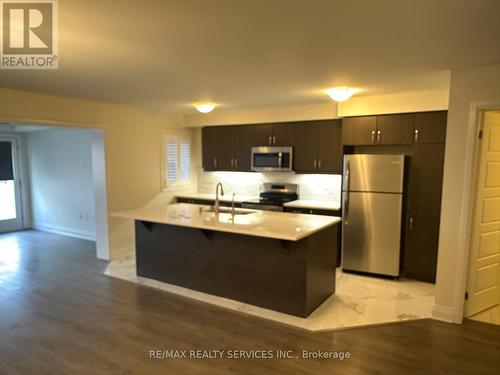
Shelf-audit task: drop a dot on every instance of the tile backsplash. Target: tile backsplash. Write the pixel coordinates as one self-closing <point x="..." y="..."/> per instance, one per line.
<point x="312" y="186"/>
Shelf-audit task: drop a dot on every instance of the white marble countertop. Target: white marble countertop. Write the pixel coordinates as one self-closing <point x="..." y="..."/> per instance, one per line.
<point x="223" y="198"/>
<point x="300" y="203"/>
<point x="269" y="224"/>
<point x="314" y="204"/>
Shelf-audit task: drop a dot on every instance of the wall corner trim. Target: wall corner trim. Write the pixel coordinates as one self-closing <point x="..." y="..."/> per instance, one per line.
<point x="444" y="314"/>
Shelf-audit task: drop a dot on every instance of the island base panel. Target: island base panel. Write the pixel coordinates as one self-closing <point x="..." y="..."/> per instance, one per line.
<point x="286" y="276"/>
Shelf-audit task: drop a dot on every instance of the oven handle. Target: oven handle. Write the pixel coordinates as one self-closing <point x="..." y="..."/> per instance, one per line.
<point x="280" y="159"/>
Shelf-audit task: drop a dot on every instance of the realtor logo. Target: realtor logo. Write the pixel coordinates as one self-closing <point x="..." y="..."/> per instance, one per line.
<point x="29" y="34"/>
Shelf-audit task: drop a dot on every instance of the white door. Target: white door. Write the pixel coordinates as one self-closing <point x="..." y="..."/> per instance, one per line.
<point x="10" y="197"/>
<point x="483" y="287"/>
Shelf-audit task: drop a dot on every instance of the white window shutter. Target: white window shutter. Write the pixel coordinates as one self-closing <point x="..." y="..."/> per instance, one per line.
<point x="177" y="158"/>
<point x="171" y="162"/>
<point x="184" y="160"/>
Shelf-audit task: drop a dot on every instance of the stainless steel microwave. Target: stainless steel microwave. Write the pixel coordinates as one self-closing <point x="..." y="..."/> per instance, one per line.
<point x="272" y="159"/>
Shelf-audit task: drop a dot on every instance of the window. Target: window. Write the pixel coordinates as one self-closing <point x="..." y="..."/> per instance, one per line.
<point x="177" y="154"/>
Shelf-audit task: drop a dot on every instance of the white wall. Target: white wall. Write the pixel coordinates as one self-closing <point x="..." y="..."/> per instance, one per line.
<point x="471" y="90"/>
<point x="414" y="101"/>
<point x="61" y="181"/>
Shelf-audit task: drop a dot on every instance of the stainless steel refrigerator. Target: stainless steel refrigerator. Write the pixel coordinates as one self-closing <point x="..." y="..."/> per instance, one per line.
<point x="372" y="193"/>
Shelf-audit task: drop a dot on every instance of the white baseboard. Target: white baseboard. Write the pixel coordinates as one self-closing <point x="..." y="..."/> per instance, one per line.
<point x="443" y="313"/>
<point x="65" y="231"/>
<point x="123" y="252"/>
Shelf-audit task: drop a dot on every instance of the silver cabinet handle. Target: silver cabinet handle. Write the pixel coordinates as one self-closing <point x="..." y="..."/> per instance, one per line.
<point x="236" y="163"/>
<point x="373" y="136"/>
<point x="232" y="163"/>
<point x="270" y="140"/>
<point x="379" y="136"/>
<point x="416" y="135"/>
<point x="274" y="140"/>
<point x="315" y="163"/>
<point x="215" y="162"/>
<point x="319" y="164"/>
<point x="411" y="223"/>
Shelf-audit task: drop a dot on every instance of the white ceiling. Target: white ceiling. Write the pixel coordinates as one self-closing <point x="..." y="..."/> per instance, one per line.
<point x="166" y="54"/>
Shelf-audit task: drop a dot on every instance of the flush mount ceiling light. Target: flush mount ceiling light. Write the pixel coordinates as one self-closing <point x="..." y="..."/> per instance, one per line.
<point x="205" y="107"/>
<point x="340" y="94"/>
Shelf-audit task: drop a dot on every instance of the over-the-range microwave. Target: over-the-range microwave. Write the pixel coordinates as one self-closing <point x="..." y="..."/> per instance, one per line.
<point x="272" y="159"/>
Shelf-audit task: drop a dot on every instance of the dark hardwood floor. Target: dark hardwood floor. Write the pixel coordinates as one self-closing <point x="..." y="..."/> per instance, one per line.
<point x="60" y="315"/>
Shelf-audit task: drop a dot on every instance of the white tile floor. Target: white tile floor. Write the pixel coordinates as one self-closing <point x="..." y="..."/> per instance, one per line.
<point x="358" y="301"/>
<point x="491" y="316"/>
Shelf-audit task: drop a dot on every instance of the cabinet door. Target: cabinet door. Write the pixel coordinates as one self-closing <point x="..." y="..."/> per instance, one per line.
<point x="305" y="147"/>
<point x="395" y="129"/>
<point x="329" y="147"/>
<point x="426" y="180"/>
<point x="430" y="127"/>
<point x="217" y="144"/>
<point x="282" y="134"/>
<point x="262" y="135"/>
<point x="242" y="147"/>
<point x="421" y="248"/>
<point x="359" y="130"/>
<point x="209" y="140"/>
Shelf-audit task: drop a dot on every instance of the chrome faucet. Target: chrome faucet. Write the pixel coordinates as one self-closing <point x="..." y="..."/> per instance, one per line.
<point x="233" y="212"/>
<point x="217" y="202"/>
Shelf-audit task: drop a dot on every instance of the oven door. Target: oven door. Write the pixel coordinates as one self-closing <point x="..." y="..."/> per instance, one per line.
<point x="272" y="159"/>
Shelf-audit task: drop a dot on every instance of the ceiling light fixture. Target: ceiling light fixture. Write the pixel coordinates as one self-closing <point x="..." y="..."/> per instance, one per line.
<point x="341" y="94"/>
<point x="205" y="107"/>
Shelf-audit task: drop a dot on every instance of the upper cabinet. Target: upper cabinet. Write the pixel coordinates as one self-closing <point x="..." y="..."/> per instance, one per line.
<point x="226" y="148"/>
<point x="359" y="130"/>
<point x="317" y="146"/>
<point x="396" y="129"/>
<point x="430" y="127"/>
<point x="271" y="135"/>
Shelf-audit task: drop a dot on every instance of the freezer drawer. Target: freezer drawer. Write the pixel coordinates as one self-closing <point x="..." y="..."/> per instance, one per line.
<point x="371" y="239"/>
<point x="376" y="173"/>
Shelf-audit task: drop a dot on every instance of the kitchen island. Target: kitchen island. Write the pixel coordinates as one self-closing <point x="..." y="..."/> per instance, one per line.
<point x="280" y="261"/>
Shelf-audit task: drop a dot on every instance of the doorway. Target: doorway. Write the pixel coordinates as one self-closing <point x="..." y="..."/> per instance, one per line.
<point x="483" y="283"/>
<point x="11" y="217"/>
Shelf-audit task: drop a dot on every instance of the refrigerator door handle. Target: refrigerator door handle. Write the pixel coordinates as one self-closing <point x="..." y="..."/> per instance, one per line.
<point x="346" y="207"/>
<point x="347" y="175"/>
<point x="346" y="188"/>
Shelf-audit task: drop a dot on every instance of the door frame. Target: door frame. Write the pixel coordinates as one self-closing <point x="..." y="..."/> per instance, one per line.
<point x="19" y="179"/>
<point x="471" y="175"/>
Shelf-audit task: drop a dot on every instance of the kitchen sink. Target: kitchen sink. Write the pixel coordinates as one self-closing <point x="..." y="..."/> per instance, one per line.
<point x="226" y="210"/>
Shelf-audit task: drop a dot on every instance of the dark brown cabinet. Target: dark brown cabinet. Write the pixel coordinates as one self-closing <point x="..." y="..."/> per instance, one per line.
<point x="271" y="135"/>
<point x="226" y="148"/>
<point x="217" y="148"/>
<point x="430" y="127"/>
<point x="317" y="146"/>
<point x="423" y="213"/>
<point x="242" y="147"/>
<point x="378" y="130"/>
<point x="359" y="130"/>
<point x="395" y="129"/>
<point x="422" y="239"/>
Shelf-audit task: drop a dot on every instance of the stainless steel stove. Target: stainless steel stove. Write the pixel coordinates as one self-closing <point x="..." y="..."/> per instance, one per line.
<point x="273" y="196"/>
